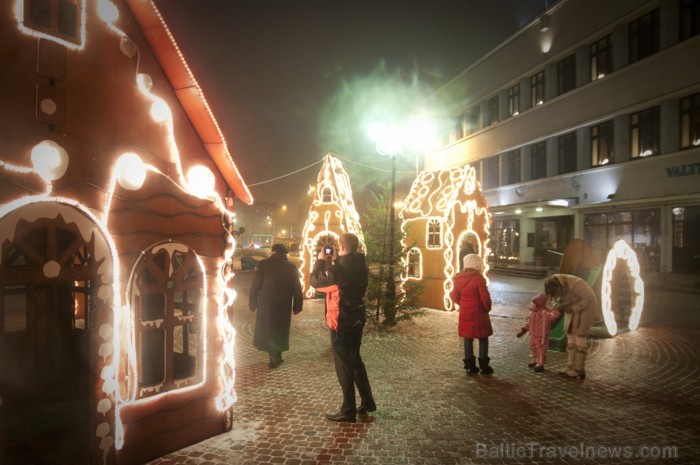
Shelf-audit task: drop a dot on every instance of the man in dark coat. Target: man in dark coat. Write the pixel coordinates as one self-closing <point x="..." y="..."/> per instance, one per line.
<point x="349" y="273"/>
<point x="275" y="293"/>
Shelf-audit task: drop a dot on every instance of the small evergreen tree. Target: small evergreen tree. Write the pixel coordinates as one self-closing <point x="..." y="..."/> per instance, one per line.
<point x="380" y="308"/>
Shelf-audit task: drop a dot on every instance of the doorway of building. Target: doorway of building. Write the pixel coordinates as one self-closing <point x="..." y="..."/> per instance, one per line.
<point x="46" y="298"/>
<point x="552" y="235"/>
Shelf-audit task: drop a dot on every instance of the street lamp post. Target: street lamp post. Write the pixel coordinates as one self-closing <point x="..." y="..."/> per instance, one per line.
<point x="409" y="139"/>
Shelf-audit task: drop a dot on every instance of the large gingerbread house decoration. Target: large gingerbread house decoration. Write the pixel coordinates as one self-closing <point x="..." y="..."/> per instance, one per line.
<point x="444" y="216"/>
<point x="331" y="214"/>
<point x="116" y="243"/>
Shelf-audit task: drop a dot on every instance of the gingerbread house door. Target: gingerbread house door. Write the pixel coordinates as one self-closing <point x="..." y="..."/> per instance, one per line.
<point x="48" y="273"/>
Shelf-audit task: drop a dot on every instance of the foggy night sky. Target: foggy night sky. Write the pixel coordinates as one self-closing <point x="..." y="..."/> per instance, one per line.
<point x="286" y="79"/>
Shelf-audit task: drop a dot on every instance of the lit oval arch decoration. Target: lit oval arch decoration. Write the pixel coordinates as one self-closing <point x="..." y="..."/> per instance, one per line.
<point x="622" y="250"/>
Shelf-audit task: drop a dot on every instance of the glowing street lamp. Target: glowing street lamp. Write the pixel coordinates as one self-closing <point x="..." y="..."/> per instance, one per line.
<point x="409" y="139"/>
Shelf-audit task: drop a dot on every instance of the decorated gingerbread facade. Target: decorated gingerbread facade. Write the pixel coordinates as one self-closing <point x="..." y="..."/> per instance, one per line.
<point x="331" y="214"/>
<point x="115" y="239"/>
<point x="444" y="216"/>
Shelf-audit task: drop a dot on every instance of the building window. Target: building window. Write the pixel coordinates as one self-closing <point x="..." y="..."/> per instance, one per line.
<point x="644" y="36"/>
<point x="413" y="265"/>
<point x="492" y="116"/>
<point x="58" y="18"/>
<point x="491" y="170"/>
<point x="644" y="133"/>
<point x="690" y="18"/>
<point x="538" y="165"/>
<point x="602" y="139"/>
<point x="567" y="153"/>
<point x="458" y="131"/>
<point x="326" y="195"/>
<point x="690" y="121"/>
<point x="434" y="234"/>
<point x="686" y="240"/>
<point x="601" y="58"/>
<point x="166" y="298"/>
<point x="566" y="74"/>
<point x="514" y="100"/>
<point x="514" y="166"/>
<point x="473" y="120"/>
<point x="537" y="89"/>
<point x="641" y="229"/>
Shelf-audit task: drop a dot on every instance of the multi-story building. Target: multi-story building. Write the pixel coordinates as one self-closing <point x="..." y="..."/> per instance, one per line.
<point x="585" y="123"/>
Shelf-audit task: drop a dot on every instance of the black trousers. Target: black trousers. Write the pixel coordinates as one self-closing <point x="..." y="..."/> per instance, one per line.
<point x="350" y="369"/>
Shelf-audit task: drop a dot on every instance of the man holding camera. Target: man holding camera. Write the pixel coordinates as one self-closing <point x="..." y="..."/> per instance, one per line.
<point x="346" y="319"/>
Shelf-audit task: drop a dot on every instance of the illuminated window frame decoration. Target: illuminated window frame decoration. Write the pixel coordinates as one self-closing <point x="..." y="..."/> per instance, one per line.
<point x="414" y="252"/>
<point x="199" y="319"/>
<point x="431" y="234"/>
<point x="444" y="194"/>
<point x="622" y="250"/>
<point x="49" y="34"/>
<point x="327" y="218"/>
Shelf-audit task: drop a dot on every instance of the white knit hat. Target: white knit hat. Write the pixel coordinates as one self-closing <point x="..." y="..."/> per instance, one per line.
<point x="472" y="260"/>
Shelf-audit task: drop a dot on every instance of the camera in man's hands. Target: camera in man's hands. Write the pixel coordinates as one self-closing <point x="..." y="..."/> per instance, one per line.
<point x="328" y="250"/>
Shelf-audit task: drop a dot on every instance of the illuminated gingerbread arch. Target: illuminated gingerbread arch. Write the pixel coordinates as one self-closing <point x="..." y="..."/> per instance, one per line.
<point x="622" y="251"/>
<point x="332" y="213"/>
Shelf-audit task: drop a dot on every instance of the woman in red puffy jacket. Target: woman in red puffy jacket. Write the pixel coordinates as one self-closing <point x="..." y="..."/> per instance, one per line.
<point x="470" y="292"/>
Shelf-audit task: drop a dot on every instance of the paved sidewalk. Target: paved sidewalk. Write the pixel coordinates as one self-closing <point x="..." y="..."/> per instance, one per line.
<point x="641" y="399"/>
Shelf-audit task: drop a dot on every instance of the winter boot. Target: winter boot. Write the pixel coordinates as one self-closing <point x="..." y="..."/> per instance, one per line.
<point x="470" y="366"/>
<point x="578" y="371"/>
<point x="484" y="365"/>
<point x="571" y="352"/>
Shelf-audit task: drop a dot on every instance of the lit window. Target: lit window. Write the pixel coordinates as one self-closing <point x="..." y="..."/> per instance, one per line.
<point x="326" y="195"/>
<point x="166" y="297"/>
<point x="514" y="100"/>
<point x="601" y="58"/>
<point x="434" y="236"/>
<point x="58" y="18"/>
<point x="602" y="144"/>
<point x="645" y="133"/>
<point x="537" y="89"/>
<point x="414" y="264"/>
<point x="690" y="121"/>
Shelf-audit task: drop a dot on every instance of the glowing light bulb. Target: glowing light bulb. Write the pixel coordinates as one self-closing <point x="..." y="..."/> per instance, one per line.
<point x="160" y="111"/>
<point x="131" y="172"/>
<point x="144" y="82"/>
<point x="49" y="160"/>
<point x="201" y="181"/>
<point x="107" y="11"/>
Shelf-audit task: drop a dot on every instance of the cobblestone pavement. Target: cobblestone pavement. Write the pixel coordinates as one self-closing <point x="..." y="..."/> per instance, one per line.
<point x="639" y="403"/>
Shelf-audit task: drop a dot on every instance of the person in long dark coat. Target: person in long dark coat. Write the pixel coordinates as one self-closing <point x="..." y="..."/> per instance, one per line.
<point x="275" y="294"/>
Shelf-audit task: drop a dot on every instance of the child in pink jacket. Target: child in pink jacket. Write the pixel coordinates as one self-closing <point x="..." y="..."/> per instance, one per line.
<point x="539" y="323"/>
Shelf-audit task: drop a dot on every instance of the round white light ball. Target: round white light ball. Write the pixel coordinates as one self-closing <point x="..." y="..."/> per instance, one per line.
<point x="49" y="160"/>
<point x="159" y="111"/>
<point x="201" y="181"/>
<point x="131" y="172"/>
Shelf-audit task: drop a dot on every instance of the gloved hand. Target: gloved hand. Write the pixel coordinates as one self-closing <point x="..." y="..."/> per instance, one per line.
<point x="521" y="333"/>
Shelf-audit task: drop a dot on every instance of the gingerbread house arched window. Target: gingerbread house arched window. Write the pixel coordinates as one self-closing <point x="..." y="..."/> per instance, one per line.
<point x="414" y="264"/>
<point x="166" y="299"/>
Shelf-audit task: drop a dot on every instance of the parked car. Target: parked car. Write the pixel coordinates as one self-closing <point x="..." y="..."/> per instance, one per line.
<point x="248" y="263"/>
